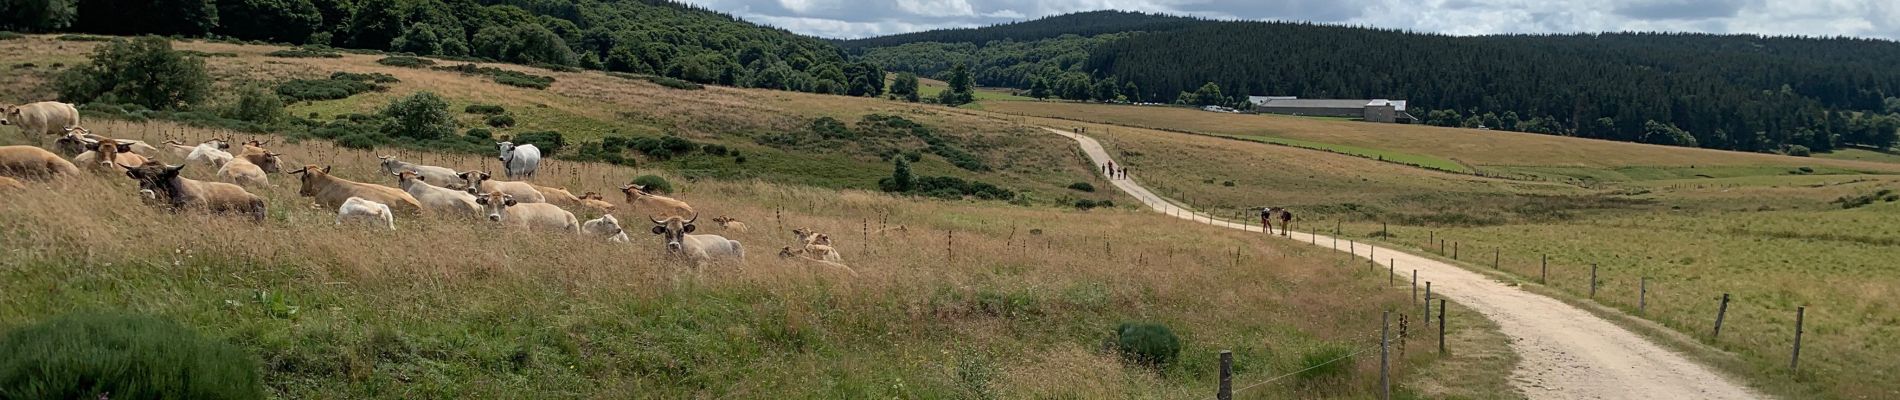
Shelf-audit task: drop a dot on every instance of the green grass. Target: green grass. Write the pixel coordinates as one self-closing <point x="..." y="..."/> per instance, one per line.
<point x="1423" y="161"/>
<point x="1887" y="156"/>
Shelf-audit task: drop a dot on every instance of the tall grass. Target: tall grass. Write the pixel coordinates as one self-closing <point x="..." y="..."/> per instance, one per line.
<point x="967" y="300"/>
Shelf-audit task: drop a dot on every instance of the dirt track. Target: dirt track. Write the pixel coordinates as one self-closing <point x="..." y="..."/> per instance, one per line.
<point x="1566" y="352"/>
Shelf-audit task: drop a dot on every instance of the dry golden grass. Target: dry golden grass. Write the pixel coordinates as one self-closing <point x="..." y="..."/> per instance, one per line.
<point x="450" y="308"/>
<point x="1468" y="146"/>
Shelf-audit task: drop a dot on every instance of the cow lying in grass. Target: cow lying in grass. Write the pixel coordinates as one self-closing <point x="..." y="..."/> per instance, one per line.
<point x="503" y="208"/>
<point x="358" y="209"/>
<point x="34" y="163"/>
<point x="331" y="191"/>
<point x="608" y="227"/>
<point x="479" y="183"/>
<point x="700" y="249"/>
<point x="161" y="183"/>
<point x="645" y="201"/>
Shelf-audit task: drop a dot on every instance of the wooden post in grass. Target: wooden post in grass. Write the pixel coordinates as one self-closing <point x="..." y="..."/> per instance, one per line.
<point x="1800" y="317"/>
<point x="1383" y="231"/>
<point x="1428" y="303"/>
<point x="1441" y="327"/>
<point x="1226" y="376"/>
<point x="1414" y="286"/>
<point x="1392" y="272"/>
<point x="1642" y="295"/>
<point x="1430" y="236"/>
<point x="1719" y="314"/>
<point x="1496" y="256"/>
<point x="1593" y="280"/>
<point x="1544" y="276"/>
<point x="1454" y="250"/>
<point x="1385" y="356"/>
<point x="1441" y="247"/>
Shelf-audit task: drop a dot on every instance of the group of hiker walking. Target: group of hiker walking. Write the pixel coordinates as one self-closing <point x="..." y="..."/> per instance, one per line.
<point x="1113" y="172"/>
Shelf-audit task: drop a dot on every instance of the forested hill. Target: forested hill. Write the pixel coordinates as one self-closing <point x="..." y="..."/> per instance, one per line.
<point x="1082" y="24"/>
<point x="1739" y="92"/>
<point x="638" y="36"/>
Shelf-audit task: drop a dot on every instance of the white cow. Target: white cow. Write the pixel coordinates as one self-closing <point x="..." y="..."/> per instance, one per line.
<point x="698" y="248"/>
<point x="42" y="118"/>
<point x="606" y="226"/>
<point x="211" y="152"/>
<point x="519" y="162"/>
<point x="436" y="175"/>
<point x="358" y="209"/>
<point x="531" y="216"/>
<point x="437" y="199"/>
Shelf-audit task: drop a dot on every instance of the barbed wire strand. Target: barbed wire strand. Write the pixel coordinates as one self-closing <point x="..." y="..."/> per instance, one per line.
<point x="1328" y="362"/>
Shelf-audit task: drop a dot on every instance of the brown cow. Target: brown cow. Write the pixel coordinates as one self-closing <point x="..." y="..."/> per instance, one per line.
<point x="161" y="183"/>
<point x="249" y="166"/>
<point x="43" y="118"/>
<point x="34" y="162"/>
<point x="479" y="183"/>
<point x="332" y="192"/>
<point x="653" y="204"/>
<point x="105" y="153"/>
<point x="10" y="184"/>
<point x="593" y="201"/>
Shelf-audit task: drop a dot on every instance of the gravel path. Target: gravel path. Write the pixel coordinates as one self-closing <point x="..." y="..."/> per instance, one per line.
<point x="1566" y="352"/>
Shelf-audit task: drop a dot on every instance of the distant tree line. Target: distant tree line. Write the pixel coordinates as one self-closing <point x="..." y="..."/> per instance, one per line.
<point x="655" y="37"/>
<point x="1736" y="92"/>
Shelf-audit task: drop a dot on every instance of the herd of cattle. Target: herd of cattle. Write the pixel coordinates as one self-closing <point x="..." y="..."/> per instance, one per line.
<point x="421" y="190"/>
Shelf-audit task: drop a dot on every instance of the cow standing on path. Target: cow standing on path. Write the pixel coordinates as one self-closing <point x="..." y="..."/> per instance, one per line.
<point x="519" y="162"/>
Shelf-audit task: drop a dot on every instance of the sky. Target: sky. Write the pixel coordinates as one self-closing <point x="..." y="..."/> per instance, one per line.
<point x="864" y="18"/>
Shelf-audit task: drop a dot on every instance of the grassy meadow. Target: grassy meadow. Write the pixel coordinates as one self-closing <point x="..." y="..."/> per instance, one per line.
<point x="972" y="300"/>
<point x="589" y="106"/>
<point x="1759" y="227"/>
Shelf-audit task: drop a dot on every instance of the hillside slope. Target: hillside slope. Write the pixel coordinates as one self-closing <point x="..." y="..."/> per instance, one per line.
<point x="1089" y="23"/>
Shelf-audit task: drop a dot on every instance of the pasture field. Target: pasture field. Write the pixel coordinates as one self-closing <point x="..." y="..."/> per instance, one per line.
<point x="1771" y="235"/>
<point x="931" y="88"/>
<point x="1478" y="149"/>
<point x="967" y="302"/>
<point x="588" y="106"/>
<point x="1862" y="155"/>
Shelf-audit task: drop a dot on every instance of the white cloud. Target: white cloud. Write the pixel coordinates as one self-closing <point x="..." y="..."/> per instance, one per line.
<point x="853" y="19"/>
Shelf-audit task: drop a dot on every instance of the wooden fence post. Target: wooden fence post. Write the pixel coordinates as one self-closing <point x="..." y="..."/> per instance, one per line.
<point x="1544" y="277"/>
<point x="1454" y="250"/>
<point x="1392" y="273"/>
<point x="1226" y="376"/>
<point x="1441" y="327"/>
<point x="1385" y="358"/>
<point x="1414" y="286"/>
<point x="1719" y="314"/>
<point x="1383" y="232"/>
<point x="1642" y="296"/>
<point x="1441" y="247"/>
<point x="1496" y="256"/>
<point x="1800" y="317"/>
<point x="1593" y="280"/>
<point x="1428" y="303"/>
<point x="1430" y="236"/>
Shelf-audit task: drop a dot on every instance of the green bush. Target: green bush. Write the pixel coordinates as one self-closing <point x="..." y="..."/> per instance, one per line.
<point x="654" y="183"/>
<point x="663" y="81"/>
<point x="361" y="140"/>
<point x="10" y="35"/>
<point x="502" y="76"/>
<point x="304" y="52"/>
<point x="550" y="142"/>
<point x="144" y="71"/>
<point x="488" y="109"/>
<point x="500" y="120"/>
<point x="421" y="116"/>
<point x="1325" y="365"/>
<point x="1082" y="187"/>
<point x="256" y="105"/>
<point x="73" y="37"/>
<point x="340" y="85"/>
<point x="376" y="77"/>
<point x="479" y="133"/>
<point x="95" y="356"/>
<point x="406" y="61"/>
<point x="1152" y="345"/>
<point x="1799" y="151"/>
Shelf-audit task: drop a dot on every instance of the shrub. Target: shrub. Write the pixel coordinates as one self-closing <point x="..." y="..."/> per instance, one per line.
<point x="500" y="120"/>
<point x="73" y="37"/>
<point x="663" y="81"/>
<point x="1799" y="151"/>
<point x="195" y="53"/>
<point x="304" y="52"/>
<point x="144" y="71"/>
<point x="502" y="76"/>
<point x="361" y="140"/>
<point x="256" y="105"/>
<point x="376" y="77"/>
<point x="340" y="85"/>
<point x="479" y="133"/>
<point x="550" y="142"/>
<point x="1082" y="187"/>
<point x="406" y="61"/>
<point x="421" y="116"/>
<point x="488" y="109"/>
<point x="1324" y="365"/>
<point x="123" y="356"/>
<point x="654" y="183"/>
<point x="1152" y="345"/>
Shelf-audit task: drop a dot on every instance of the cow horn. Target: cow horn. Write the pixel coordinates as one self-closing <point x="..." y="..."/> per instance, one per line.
<point x="655" y="221"/>
<point x="123" y="166"/>
<point x="695" y="218"/>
